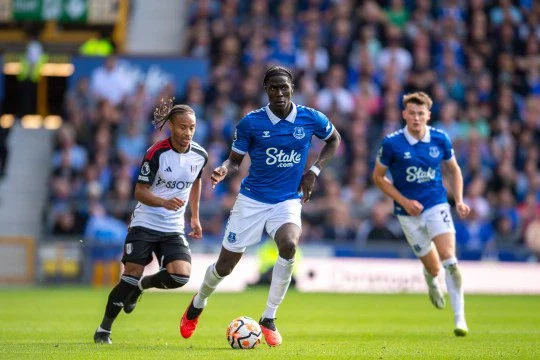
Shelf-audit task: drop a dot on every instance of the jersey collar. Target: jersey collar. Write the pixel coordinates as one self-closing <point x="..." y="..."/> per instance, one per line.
<point x="274" y="119"/>
<point x="412" y="140"/>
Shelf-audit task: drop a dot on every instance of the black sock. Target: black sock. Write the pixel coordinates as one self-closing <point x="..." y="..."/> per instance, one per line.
<point x="193" y="312"/>
<point x="163" y="280"/>
<point x="116" y="299"/>
<point x="155" y="280"/>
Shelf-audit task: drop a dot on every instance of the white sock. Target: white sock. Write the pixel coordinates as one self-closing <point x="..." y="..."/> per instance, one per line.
<point x="211" y="281"/>
<point x="281" y="278"/>
<point x="453" y="284"/>
<point x="431" y="281"/>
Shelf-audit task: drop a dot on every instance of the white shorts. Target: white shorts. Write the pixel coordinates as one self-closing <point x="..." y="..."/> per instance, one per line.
<point x="420" y="230"/>
<point x="249" y="218"/>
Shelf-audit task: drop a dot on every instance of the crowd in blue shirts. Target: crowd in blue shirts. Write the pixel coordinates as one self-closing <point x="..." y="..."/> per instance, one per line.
<point x="353" y="60"/>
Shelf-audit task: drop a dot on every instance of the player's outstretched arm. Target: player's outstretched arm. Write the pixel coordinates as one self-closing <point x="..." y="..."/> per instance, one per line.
<point x="412" y="207"/>
<point x="145" y="196"/>
<point x="229" y="166"/>
<point x="194" y="202"/>
<point x="456" y="186"/>
<point x="327" y="152"/>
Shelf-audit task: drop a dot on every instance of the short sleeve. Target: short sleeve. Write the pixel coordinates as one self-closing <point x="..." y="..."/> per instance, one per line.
<point x="149" y="168"/>
<point x="448" y="150"/>
<point x="323" y="126"/>
<point x="241" y="139"/>
<point x="384" y="155"/>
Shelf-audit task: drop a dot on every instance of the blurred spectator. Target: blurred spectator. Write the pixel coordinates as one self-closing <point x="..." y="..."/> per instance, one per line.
<point x="505" y="237"/>
<point x="312" y="58"/>
<point x="68" y="152"/>
<point x="338" y="225"/>
<point x="28" y="77"/>
<point x="103" y="228"/>
<point x="334" y="94"/>
<point x="109" y="82"/>
<point x="397" y="14"/>
<point x="395" y="61"/>
<point x="377" y="228"/>
<point x="473" y="233"/>
<point x="532" y="239"/>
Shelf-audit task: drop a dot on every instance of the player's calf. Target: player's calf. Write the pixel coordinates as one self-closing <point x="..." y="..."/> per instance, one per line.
<point x="434" y="290"/>
<point x="161" y="280"/>
<point x="133" y="299"/>
<point x="164" y="280"/>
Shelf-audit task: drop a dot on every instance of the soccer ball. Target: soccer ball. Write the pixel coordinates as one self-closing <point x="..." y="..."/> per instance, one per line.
<point x="243" y="333"/>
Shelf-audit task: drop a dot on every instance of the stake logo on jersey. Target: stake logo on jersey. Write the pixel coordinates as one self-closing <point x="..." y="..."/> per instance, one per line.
<point x="278" y="149"/>
<point x="169" y="174"/>
<point x="419" y="175"/>
<point x="415" y="165"/>
<point x="281" y="159"/>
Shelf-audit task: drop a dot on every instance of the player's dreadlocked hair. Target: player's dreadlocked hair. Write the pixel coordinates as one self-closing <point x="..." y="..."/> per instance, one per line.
<point x="165" y="110"/>
<point x="277" y="70"/>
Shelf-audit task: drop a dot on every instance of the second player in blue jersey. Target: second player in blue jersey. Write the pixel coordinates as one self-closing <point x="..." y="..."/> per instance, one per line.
<point x="414" y="156"/>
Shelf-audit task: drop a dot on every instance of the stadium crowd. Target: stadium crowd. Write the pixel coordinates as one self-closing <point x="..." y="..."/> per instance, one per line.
<point x="353" y="60"/>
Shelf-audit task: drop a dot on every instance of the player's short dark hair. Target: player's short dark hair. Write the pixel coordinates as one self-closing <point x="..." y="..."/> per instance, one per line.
<point x="276" y="71"/>
<point x="419" y="98"/>
<point x="165" y="110"/>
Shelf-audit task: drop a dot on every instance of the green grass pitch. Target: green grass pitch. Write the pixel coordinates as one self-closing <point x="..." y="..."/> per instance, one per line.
<point x="58" y="323"/>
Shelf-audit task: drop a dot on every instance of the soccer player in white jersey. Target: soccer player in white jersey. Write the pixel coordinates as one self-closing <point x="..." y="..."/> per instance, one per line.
<point x="277" y="138"/>
<point x="414" y="156"/>
<point x="169" y="178"/>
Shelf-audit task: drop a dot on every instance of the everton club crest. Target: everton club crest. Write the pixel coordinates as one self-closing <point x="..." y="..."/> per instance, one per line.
<point x="299" y="132"/>
<point x="434" y="152"/>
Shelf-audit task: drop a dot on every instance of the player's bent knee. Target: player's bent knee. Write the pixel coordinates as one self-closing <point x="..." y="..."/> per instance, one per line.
<point x="224" y="269"/>
<point x="287" y="249"/>
<point x="174" y="281"/>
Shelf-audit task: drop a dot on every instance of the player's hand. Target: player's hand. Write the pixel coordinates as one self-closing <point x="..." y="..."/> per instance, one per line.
<point x="196" y="229"/>
<point x="173" y="204"/>
<point x="307" y="184"/>
<point x="413" y="207"/>
<point x="218" y="175"/>
<point x="463" y="209"/>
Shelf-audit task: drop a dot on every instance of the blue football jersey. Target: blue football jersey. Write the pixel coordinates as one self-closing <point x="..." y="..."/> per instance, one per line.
<point x="415" y="165"/>
<point x="278" y="149"/>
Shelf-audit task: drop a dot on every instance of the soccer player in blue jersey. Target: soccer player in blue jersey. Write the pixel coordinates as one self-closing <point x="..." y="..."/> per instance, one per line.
<point x="277" y="138"/>
<point x="414" y="156"/>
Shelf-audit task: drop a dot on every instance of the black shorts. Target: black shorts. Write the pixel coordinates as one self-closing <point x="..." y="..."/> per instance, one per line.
<point x="141" y="242"/>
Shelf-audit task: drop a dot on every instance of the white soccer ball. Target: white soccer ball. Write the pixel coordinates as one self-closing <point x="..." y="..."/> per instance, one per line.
<point x="244" y="333"/>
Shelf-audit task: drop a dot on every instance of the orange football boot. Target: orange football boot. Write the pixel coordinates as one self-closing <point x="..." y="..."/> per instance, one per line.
<point x="187" y="325"/>
<point x="270" y="332"/>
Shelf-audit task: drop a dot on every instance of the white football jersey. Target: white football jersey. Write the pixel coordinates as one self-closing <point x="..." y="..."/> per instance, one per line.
<point x="171" y="174"/>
